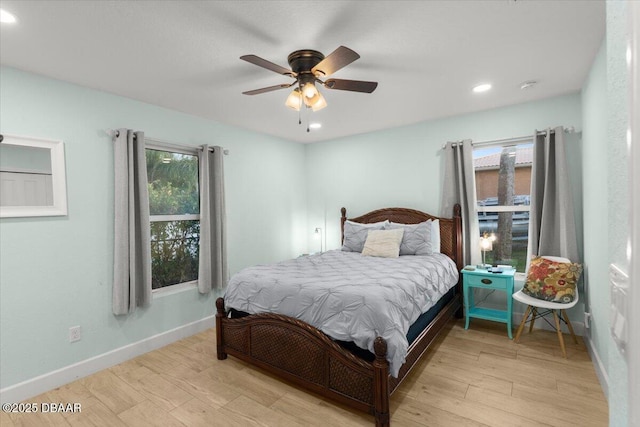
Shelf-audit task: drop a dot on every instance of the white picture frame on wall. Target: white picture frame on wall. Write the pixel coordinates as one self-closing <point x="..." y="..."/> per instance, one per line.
<point x="32" y="177"/>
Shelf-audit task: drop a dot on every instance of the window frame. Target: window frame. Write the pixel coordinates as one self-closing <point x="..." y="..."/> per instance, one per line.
<point x="170" y="148"/>
<point x="519" y="275"/>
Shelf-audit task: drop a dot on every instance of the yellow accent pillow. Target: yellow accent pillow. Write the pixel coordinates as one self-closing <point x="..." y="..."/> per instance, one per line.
<point x="383" y="243"/>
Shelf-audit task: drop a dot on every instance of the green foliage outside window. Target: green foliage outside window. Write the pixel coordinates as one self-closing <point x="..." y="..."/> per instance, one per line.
<point x="174" y="252"/>
<point x="173" y="183"/>
<point x="173" y="190"/>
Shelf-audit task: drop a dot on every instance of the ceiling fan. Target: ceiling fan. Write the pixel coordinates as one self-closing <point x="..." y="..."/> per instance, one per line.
<point x="309" y="67"/>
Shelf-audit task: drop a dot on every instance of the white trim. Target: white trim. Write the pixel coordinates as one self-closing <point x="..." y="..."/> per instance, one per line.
<point x="22" y="170"/>
<point x="43" y="383"/>
<point x="633" y="304"/>
<point x="507" y="142"/>
<point x="502" y="208"/>
<point x="601" y="371"/>
<point x="158" y="145"/>
<point x="175" y="288"/>
<point x="185" y="217"/>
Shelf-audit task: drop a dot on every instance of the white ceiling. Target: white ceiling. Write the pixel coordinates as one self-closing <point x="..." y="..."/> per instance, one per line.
<point x="426" y="55"/>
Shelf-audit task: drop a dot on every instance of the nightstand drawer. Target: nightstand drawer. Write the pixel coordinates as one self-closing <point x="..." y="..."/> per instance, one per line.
<point x="487" y="281"/>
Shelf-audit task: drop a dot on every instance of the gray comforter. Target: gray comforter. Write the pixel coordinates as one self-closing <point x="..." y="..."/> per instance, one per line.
<point x="348" y="296"/>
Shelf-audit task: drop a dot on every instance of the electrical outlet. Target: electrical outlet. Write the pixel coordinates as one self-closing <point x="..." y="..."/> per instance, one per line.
<point x="587" y="320"/>
<point x="75" y="333"/>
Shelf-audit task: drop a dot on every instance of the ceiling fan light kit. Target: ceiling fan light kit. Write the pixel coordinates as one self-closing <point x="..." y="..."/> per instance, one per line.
<point x="294" y="100"/>
<point x="307" y="68"/>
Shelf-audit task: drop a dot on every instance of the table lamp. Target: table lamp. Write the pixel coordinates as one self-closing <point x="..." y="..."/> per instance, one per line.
<point x="486" y="244"/>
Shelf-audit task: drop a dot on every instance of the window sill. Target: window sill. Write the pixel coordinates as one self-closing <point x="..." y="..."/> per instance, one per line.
<point x="174" y="289"/>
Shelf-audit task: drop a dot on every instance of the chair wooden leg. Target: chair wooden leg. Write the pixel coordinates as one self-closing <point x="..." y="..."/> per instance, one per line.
<point x="557" y="319"/>
<point x="533" y="318"/>
<point x="524" y="320"/>
<point x="566" y="319"/>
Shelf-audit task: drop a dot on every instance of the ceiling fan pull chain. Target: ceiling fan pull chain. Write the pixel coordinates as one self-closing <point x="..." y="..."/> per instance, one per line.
<point x="307" y="118"/>
<point x="300" y="108"/>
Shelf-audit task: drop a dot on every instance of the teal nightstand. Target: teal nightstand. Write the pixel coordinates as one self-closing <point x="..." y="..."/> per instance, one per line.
<point x="479" y="278"/>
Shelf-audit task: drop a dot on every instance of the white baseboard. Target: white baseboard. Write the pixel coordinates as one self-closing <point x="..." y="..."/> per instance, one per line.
<point x="601" y="372"/>
<point x="43" y="383"/>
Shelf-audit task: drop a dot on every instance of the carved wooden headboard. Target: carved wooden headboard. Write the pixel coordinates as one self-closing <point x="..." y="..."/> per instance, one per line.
<point x="450" y="228"/>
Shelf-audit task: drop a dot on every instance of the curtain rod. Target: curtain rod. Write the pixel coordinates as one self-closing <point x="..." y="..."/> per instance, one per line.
<point x="515" y="140"/>
<point x="167" y="144"/>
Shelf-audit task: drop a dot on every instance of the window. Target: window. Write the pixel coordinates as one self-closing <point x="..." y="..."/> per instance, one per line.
<point x="503" y="187"/>
<point x="174" y="207"/>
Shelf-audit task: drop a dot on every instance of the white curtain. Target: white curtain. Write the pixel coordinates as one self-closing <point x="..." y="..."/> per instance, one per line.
<point x="552" y="226"/>
<point x="460" y="187"/>
<point x="132" y="235"/>
<point x="212" y="270"/>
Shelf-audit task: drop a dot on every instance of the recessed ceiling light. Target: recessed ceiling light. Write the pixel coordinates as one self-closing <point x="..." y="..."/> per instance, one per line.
<point x="6" y="17"/>
<point x="315" y="125"/>
<point x="528" y="84"/>
<point x="482" y="88"/>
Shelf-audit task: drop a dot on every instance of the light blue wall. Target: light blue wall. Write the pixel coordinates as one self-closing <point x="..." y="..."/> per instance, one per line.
<point x="57" y="272"/>
<point x="594" y="164"/>
<point x="618" y="186"/>
<point x="606" y="178"/>
<point x="403" y="166"/>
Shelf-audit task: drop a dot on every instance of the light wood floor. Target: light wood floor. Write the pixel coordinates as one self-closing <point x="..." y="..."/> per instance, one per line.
<point x="472" y="378"/>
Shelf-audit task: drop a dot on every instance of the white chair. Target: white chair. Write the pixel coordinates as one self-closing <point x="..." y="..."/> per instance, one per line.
<point x="537" y="308"/>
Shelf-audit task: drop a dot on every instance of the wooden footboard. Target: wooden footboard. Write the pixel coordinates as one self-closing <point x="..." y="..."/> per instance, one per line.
<point x="300" y="353"/>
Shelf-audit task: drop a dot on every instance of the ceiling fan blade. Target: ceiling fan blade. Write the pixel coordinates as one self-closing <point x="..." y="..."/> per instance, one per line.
<point x="268" y="89"/>
<point x="352" y="85"/>
<point x="337" y="59"/>
<point x="256" y="60"/>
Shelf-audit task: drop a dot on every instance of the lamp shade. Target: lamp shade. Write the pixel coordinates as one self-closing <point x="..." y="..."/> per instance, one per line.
<point x="309" y="90"/>
<point x="486" y="244"/>
<point x="320" y="103"/>
<point x="294" y="100"/>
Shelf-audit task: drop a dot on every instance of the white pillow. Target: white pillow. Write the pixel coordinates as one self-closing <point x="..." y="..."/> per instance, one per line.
<point x="355" y="234"/>
<point x="383" y="243"/>
<point x="416" y="239"/>
<point x="435" y="236"/>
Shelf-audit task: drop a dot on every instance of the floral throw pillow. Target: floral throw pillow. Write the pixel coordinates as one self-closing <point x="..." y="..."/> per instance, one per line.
<point x="552" y="281"/>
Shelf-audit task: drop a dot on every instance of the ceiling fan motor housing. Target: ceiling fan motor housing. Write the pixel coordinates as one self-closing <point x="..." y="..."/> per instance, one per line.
<point x="302" y="61"/>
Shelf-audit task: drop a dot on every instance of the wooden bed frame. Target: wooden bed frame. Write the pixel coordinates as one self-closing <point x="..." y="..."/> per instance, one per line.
<point x="300" y="353"/>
